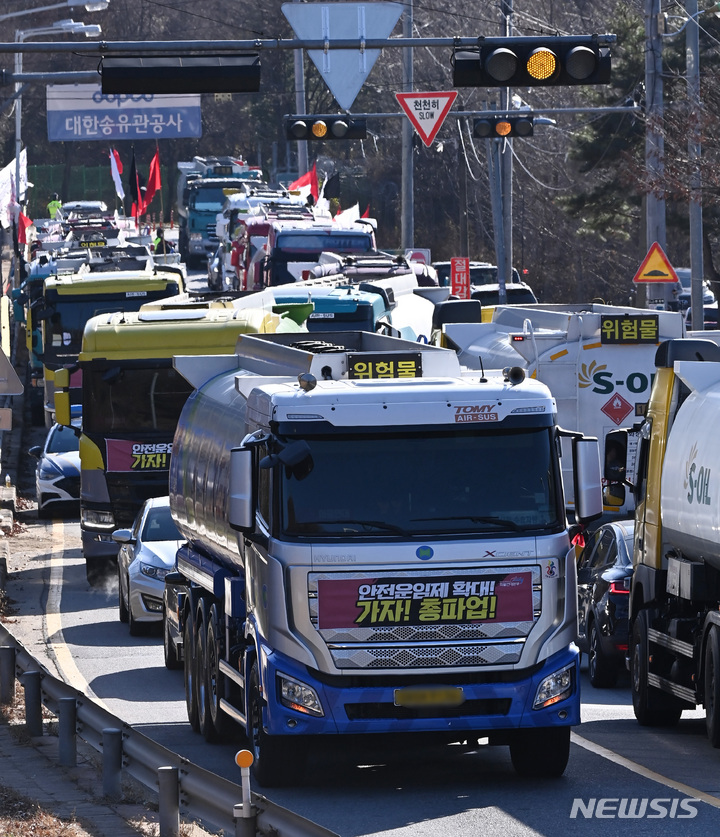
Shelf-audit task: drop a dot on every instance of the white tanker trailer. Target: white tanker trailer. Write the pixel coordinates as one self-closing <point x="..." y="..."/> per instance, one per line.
<point x="675" y="596"/>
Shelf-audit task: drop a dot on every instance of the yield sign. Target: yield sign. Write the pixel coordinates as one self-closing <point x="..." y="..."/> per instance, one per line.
<point x="426" y="111"/>
<point x="344" y="70"/>
<point x="656" y="267"/>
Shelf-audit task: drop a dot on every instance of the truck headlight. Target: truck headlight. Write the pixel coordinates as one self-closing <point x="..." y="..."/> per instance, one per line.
<point x="555" y="687"/>
<point x="97" y="519"/>
<point x="298" y="696"/>
<point x="195" y="236"/>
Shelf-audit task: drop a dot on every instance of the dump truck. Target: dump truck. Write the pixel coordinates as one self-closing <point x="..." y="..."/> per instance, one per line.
<point x="374" y="544"/>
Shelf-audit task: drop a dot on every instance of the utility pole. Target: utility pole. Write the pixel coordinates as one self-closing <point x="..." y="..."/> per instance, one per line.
<point x="504" y="266"/>
<point x="299" y="64"/>
<point x="407" y="232"/>
<point x="654" y="142"/>
<point x="692" y="64"/>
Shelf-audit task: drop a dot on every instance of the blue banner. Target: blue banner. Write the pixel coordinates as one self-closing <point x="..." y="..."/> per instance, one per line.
<point x="82" y="112"/>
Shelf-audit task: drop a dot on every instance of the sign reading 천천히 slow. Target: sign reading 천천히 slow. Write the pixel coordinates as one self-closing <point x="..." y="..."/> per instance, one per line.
<point x="83" y="112"/>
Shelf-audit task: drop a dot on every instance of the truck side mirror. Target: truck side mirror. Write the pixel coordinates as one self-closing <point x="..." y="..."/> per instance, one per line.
<point x="588" y="484"/>
<point x="241" y="507"/>
<point x="62" y="397"/>
<point x="615" y="464"/>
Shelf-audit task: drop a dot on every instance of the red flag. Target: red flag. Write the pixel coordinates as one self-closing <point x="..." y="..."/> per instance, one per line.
<point x="366" y="214"/>
<point x="137" y="191"/>
<point x="153" y="183"/>
<point x="307" y="184"/>
<point x="23" y="223"/>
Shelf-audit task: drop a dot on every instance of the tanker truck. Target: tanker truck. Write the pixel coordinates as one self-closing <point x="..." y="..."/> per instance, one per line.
<point x="674" y="649"/>
<point x="374" y="545"/>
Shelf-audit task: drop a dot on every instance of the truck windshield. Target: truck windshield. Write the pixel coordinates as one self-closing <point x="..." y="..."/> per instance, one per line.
<point x="315" y="243"/>
<point x="133" y="401"/>
<point x="210" y="197"/>
<point x="424" y="484"/>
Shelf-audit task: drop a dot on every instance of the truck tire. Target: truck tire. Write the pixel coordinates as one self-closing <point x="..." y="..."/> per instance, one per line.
<point x="201" y="693"/>
<point x="540" y="753"/>
<point x="652" y="707"/>
<point x="602" y="670"/>
<point x="712" y="686"/>
<point x="170" y="653"/>
<point x="278" y="759"/>
<point x="218" y="724"/>
<point x="189" y="672"/>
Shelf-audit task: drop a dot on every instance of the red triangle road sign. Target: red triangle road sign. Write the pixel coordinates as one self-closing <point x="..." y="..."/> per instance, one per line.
<point x="427" y="111"/>
<point x="656" y="267"/>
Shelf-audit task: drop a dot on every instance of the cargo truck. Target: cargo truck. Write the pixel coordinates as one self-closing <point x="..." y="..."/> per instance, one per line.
<point x="674" y="649"/>
<point x="374" y="545"/>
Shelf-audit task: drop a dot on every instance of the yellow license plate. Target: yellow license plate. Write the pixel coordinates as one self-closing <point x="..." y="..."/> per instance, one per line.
<point x="419" y="698"/>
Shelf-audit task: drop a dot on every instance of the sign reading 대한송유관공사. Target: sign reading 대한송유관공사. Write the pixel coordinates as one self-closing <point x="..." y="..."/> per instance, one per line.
<point x="83" y="112"/>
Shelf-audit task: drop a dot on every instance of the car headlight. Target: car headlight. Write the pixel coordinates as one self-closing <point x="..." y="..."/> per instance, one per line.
<point x="48" y="470"/>
<point x="555" y="687"/>
<point x="298" y="696"/>
<point x="152" y="571"/>
<point x="98" y="519"/>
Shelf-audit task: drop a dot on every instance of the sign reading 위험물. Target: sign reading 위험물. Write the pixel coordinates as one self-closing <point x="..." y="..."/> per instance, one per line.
<point x="83" y="112"/>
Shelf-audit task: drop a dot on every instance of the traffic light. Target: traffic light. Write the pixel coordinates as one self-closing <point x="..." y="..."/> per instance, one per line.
<point x="493" y="127"/>
<point x="532" y="62"/>
<point x="181" y="74"/>
<point x="325" y="128"/>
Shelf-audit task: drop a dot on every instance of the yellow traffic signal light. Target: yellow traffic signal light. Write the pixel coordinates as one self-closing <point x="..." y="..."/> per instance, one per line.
<point x="495" y="127"/>
<point x="532" y="62"/>
<point x="325" y="128"/>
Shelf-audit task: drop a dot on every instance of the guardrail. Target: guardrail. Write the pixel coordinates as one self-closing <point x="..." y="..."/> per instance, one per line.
<point x="197" y="793"/>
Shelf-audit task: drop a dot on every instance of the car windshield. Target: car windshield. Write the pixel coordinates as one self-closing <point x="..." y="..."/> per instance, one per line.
<point x="62" y="440"/>
<point x="424" y="484"/>
<point x="159" y="525"/>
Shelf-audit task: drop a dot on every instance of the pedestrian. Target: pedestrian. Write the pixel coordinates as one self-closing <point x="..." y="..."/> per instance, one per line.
<point x="54" y="207"/>
<point x="159" y="241"/>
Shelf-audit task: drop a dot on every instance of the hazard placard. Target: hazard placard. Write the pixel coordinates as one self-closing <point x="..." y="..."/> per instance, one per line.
<point x="427" y="111"/>
<point x="656" y="267"/>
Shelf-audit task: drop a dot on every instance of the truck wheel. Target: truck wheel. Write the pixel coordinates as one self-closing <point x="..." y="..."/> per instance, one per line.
<point x="218" y="723"/>
<point x="602" y="670"/>
<point x="201" y="693"/>
<point x="541" y="753"/>
<point x="122" y="607"/>
<point x="189" y="673"/>
<point x="169" y="649"/>
<point x="277" y="758"/>
<point x="651" y="706"/>
<point x="712" y="687"/>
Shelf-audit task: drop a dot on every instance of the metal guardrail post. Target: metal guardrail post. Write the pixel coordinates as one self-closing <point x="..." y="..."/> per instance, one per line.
<point x="169" y="798"/>
<point x="112" y="763"/>
<point x="67" y="728"/>
<point x="33" y="703"/>
<point x="7" y="673"/>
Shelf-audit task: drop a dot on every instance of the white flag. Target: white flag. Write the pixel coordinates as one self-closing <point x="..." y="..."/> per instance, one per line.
<point x="116" y="168"/>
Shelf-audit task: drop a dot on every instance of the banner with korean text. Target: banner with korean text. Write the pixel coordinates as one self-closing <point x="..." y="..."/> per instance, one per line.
<point x="82" y="112"/>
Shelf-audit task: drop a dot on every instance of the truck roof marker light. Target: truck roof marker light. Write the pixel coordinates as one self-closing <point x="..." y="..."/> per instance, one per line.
<point x="307" y="382"/>
<point x="514" y="375"/>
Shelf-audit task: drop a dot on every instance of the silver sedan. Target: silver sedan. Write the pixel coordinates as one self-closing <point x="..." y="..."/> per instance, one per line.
<point x="146" y="556"/>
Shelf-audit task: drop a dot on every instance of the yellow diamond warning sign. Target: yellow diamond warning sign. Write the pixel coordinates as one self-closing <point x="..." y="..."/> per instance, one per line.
<point x="656" y="267"/>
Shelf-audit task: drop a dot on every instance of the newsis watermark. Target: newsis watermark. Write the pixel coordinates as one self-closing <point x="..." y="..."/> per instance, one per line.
<point x="634" y="808"/>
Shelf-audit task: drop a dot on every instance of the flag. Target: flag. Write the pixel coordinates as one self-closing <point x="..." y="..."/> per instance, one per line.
<point x="307" y="184"/>
<point x="153" y="183"/>
<point x="23" y="223"/>
<point x="137" y="188"/>
<point x="366" y="214"/>
<point x="349" y="216"/>
<point x="116" y="170"/>
<point x="331" y="187"/>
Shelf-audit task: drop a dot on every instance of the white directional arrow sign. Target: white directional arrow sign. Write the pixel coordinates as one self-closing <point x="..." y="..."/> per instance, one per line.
<point x="344" y="70"/>
<point x="427" y="111"/>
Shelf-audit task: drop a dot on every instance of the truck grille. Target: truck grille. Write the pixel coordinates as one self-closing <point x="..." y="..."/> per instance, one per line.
<point x="375" y="711"/>
<point x="429" y="645"/>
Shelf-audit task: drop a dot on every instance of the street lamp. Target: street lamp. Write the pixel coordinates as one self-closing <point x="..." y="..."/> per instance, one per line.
<point x="88" y="5"/>
<point x="69" y="26"/>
